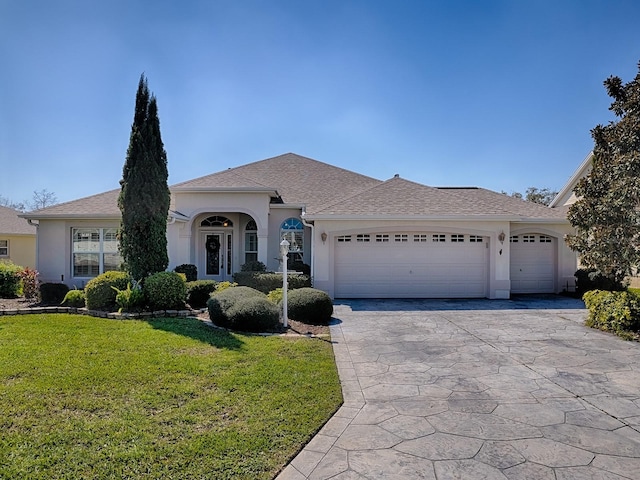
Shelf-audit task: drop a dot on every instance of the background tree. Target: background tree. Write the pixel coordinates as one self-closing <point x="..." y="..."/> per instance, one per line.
<point x="543" y="196"/>
<point x="607" y="215"/>
<point x="41" y="199"/>
<point x="5" y="202"/>
<point x="144" y="196"/>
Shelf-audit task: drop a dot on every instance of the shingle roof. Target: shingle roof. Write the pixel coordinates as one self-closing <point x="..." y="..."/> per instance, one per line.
<point x="297" y="179"/>
<point x="328" y="190"/>
<point x="11" y="224"/>
<point x="398" y="196"/>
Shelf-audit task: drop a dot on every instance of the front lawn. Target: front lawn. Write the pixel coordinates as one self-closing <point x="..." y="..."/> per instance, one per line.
<point x="84" y="397"/>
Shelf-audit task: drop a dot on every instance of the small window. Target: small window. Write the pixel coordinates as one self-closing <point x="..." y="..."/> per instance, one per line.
<point x="528" y="239"/>
<point x="401" y="237"/>
<point x="420" y="238"/>
<point x="382" y="238"/>
<point x="216" y="221"/>
<point x="251" y="242"/>
<point x="545" y="239"/>
<point x="4" y="248"/>
<point x="363" y="238"/>
<point x="457" y="238"/>
<point x="514" y="239"/>
<point x="475" y="239"/>
<point x="438" y="237"/>
<point x="344" y="238"/>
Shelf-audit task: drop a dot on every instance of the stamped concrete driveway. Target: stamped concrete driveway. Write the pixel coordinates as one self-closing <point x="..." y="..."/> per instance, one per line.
<point x="477" y="389"/>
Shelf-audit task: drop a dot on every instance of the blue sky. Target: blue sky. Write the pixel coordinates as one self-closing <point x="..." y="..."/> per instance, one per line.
<point x="498" y="94"/>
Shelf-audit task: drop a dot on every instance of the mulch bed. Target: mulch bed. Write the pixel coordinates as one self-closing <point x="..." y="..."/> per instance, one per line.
<point x="295" y="327"/>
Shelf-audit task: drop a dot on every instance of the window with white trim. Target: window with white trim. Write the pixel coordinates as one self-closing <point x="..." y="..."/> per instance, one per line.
<point x="456" y="238"/>
<point x="475" y="239"/>
<point x="420" y="238"/>
<point x="545" y="239"/>
<point x="382" y="237"/>
<point x="94" y="251"/>
<point x="292" y="231"/>
<point x="528" y="238"/>
<point x="251" y="242"/>
<point x="401" y="237"/>
<point x="4" y="248"/>
<point x="438" y="237"/>
<point x="363" y="237"/>
<point x="344" y="238"/>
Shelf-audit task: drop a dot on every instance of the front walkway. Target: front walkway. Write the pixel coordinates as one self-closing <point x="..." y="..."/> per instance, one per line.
<point x="477" y="390"/>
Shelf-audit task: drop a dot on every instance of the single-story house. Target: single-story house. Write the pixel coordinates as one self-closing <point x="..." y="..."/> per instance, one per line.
<point x="362" y="237"/>
<point x="17" y="239"/>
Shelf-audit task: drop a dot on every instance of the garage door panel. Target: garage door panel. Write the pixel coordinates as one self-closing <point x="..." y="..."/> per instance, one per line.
<point x="533" y="265"/>
<point x="410" y="270"/>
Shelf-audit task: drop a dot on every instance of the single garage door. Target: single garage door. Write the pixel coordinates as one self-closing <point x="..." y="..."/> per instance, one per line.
<point x="533" y="264"/>
<point x="411" y="265"/>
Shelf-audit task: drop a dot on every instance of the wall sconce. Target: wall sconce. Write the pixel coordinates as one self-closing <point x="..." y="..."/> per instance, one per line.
<point x="323" y="237"/>
<point x="501" y="237"/>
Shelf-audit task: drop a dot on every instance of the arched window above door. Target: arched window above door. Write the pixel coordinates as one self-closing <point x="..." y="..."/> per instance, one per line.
<point x="293" y="231"/>
<point x="216" y="221"/>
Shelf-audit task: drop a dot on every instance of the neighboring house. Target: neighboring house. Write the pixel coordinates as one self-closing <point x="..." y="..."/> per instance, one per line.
<point x="17" y="238"/>
<point x="362" y="237"/>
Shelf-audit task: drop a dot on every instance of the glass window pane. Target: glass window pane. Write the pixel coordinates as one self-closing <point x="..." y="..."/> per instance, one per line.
<point x="251" y="242"/>
<point x="86" y="264"/>
<point x="110" y="242"/>
<point x="86" y="240"/>
<point x="111" y="261"/>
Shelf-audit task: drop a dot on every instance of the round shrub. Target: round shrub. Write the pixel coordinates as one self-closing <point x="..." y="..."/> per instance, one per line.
<point x="275" y="296"/>
<point x="53" y="293"/>
<point x="221" y="301"/>
<point x="254" y="266"/>
<point x="74" y="298"/>
<point x="309" y="305"/>
<point x="98" y="292"/>
<point x="198" y="292"/>
<point x="253" y="314"/>
<point x="190" y="270"/>
<point x="165" y="291"/>
<point x="130" y="299"/>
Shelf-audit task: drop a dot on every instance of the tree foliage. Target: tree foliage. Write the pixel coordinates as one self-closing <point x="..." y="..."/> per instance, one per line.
<point x="144" y="196"/>
<point x="543" y="196"/>
<point x="607" y="215"/>
<point x="42" y="199"/>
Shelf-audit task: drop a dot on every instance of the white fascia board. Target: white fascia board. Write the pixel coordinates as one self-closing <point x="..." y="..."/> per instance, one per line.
<point x="568" y="188"/>
<point x="299" y="206"/>
<point x="224" y="190"/>
<point x="72" y="216"/>
<point x="462" y="218"/>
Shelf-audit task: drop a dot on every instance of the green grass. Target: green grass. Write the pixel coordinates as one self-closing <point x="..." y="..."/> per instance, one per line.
<point x="83" y="397"/>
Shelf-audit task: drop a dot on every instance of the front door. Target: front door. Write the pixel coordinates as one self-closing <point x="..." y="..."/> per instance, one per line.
<point x="217" y="256"/>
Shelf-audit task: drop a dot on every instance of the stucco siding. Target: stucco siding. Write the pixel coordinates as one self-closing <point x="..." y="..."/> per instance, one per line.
<point x="22" y="250"/>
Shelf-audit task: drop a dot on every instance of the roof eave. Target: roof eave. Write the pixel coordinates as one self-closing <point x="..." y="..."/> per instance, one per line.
<point x="223" y="190"/>
<point x="467" y="218"/>
<point x="72" y="216"/>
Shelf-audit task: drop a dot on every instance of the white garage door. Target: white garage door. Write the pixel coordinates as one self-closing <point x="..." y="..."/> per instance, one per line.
<point x="411" y="265"/>
<point x="532" y="264"/>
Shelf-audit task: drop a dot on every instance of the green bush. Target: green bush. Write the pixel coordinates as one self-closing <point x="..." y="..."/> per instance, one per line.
<point x="299" y="266"/>
<point x="310" y="306"/>
<point x="129" y="299"/>
<point x="589" y="279"/>
<point x="275" y="296"/>
<point x="253" y="314"/>
<point x="266" y="282"/>
<point x="220" y="286"/>
<point x="74" y="298"/>
<point x="254" y="266"/>
<point x="190" y="270"/>
<point x="10" y="281"/>
<point x="165" y="291"/>
<point x="221" y="301"/>
<point x="199" y="291"/>
<point x="98" y="292"/>
<point x="617" y="312"/>
<point x="53" y="293"/>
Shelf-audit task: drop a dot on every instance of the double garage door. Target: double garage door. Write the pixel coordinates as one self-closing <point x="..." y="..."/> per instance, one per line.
<point x="411" y="265"/>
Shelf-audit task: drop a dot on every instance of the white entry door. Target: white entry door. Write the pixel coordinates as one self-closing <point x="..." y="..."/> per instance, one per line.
<point x="216" y="256"/>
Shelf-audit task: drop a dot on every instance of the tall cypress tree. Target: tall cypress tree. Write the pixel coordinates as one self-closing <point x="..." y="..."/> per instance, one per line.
<point x="144" y="195"/>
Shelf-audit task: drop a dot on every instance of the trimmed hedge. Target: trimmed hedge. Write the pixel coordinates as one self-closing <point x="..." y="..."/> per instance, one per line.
<point x="617" y="312"/>
<point x="253" y="314"/>
<point x="53" y="293"/>
<point x="74" y="298"/>
<point x="220" y="303"/>
<point x="165" y="291"/>
<point x="266" y="282"/>
<point x="98" y="292"/>
<point x="10" y="281"/>
<point x="309" y="305"/>
<point x="199" y="291"/>
<point x="190" y="270"/>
